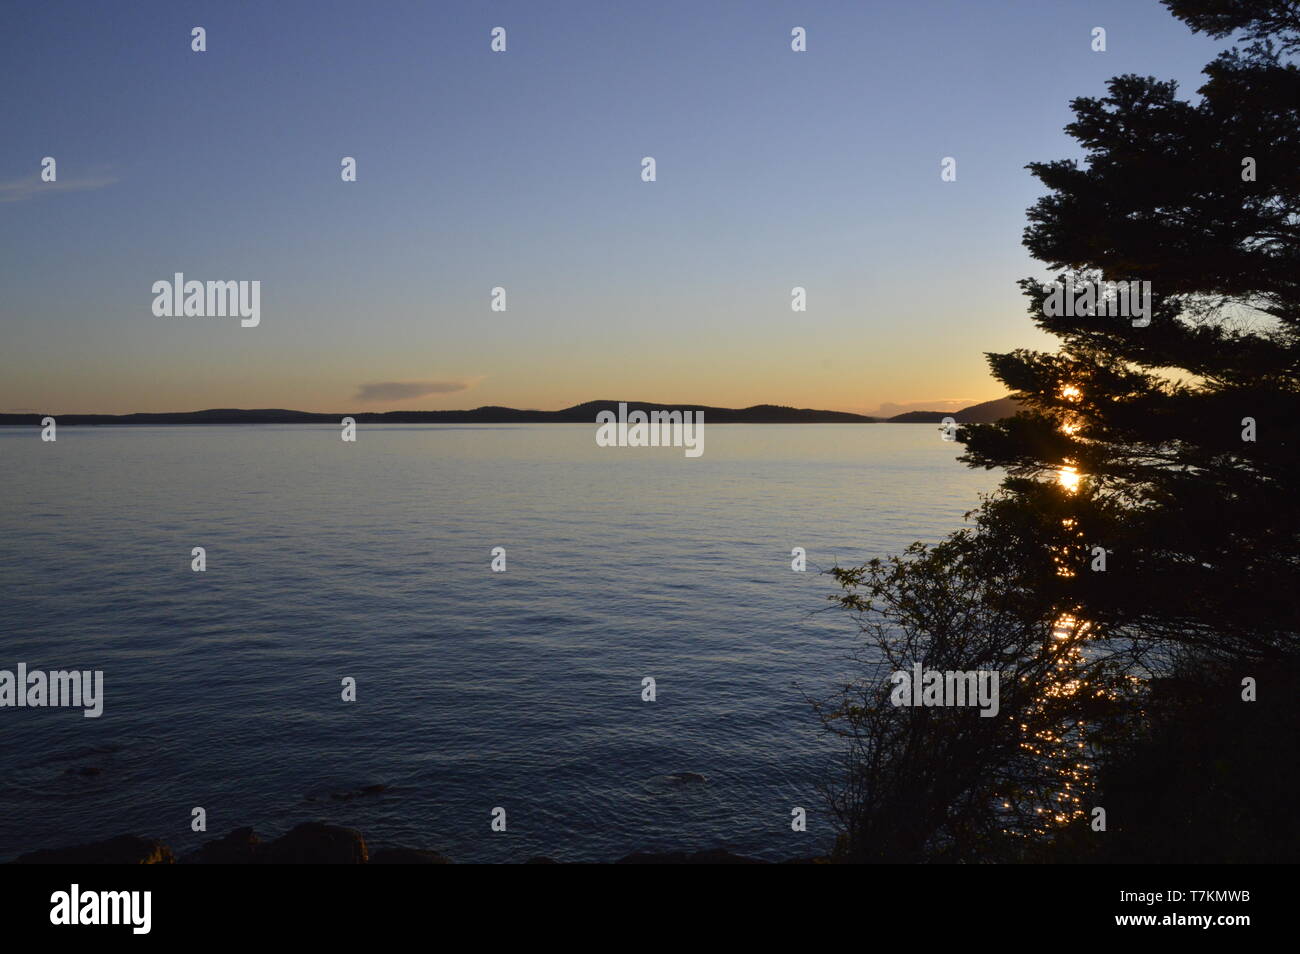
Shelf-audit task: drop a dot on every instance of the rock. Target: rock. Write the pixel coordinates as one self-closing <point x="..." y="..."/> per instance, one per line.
<point x="714" y="856"/>
<point x="408" y="856"/>
<point x="240" y="847"/>
<point x="122" y="850"/>
<point x="316" y="843"/>
<point x="686" y="778"/>
<point x="319" y="843"/>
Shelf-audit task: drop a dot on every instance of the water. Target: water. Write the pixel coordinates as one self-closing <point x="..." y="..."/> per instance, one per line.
<point x="475" y="689"/>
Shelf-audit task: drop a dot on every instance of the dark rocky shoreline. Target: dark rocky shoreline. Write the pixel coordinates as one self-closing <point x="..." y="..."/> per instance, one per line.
<point x="318" y="843"/>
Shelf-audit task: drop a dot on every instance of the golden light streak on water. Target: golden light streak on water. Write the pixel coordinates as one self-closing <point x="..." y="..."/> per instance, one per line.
<point x="1059" y="745"/>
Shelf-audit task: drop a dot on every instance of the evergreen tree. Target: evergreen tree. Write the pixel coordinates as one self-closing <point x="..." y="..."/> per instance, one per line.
<point x="1183" y="432"/>
<point x="1138" y="561"/>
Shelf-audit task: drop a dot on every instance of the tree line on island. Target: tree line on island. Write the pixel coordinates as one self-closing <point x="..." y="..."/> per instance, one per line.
<point x="578" y="414"/>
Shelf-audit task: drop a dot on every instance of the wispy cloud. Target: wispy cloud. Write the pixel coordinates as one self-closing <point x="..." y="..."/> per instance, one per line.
<point x="19" y="190"/>
<point x="405" y="390"/>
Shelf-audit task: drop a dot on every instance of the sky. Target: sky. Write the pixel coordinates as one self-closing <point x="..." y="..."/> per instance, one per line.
<point x="523" y="170"/>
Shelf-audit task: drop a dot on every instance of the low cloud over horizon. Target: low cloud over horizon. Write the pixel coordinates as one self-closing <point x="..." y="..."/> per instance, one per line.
<point x="406" y="390"/>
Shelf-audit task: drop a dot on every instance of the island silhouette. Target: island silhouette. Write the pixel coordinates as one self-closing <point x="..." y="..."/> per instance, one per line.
<point x="982" y="413"/>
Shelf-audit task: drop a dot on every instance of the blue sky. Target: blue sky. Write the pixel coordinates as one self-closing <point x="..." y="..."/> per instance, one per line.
<point x="522" y="169"/>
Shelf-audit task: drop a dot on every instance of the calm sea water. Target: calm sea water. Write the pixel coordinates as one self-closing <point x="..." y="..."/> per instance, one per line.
<point x="475" y="689"/>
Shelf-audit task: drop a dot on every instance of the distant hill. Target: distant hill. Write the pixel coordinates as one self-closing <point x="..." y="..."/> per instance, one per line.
<point x="984" y="413"/>
<point x="578" y="414"/>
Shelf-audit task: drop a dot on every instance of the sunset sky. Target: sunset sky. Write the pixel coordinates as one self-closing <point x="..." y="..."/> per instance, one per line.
<point x="522" y="169"/>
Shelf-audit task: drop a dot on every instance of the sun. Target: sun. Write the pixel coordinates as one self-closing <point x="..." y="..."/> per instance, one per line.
<point x="1069" y="477"/>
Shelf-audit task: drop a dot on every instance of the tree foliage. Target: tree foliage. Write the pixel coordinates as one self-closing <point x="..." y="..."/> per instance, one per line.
<point x="1169" y="447"/>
